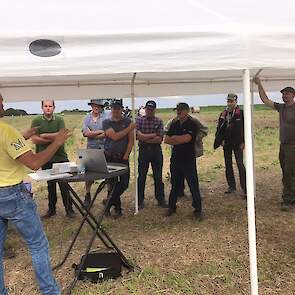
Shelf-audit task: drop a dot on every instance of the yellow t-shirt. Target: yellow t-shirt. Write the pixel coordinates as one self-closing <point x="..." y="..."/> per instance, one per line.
<point x="12" y="145"/>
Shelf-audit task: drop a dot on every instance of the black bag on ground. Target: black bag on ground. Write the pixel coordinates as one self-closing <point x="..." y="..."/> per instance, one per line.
<point x="100" y="266"/>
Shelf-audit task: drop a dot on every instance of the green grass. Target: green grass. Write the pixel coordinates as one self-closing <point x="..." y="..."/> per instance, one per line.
<point x="178" y="255"/>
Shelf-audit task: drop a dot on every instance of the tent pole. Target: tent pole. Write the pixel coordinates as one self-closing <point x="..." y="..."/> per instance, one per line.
<point x="135" y="189"/>
<point x="250" y="182"/>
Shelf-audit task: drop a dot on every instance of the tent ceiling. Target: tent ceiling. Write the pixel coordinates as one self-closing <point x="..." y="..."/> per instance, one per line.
<point x="175" y="47"/>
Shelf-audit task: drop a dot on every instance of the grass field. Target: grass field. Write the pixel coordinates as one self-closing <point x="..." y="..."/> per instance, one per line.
<point x="179" y="255"/>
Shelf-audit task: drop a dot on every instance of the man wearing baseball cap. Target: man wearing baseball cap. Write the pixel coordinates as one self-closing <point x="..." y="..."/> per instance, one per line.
<point x="150" y="131"/>
<point x="182" y="136"/>
<point x="92" y="130"/>
<point x="287" y="140"/>
<point x="230" y="135"/>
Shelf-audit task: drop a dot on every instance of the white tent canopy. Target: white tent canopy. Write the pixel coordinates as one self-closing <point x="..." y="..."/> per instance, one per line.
<point x="175" y="47"/>
<point x="185" y="47"/>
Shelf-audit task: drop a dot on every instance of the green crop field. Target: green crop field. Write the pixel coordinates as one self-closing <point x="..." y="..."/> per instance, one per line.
<point x="178" y="255"/>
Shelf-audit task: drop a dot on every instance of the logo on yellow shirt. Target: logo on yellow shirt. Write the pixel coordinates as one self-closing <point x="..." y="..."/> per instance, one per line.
<point x="18" y="144"/>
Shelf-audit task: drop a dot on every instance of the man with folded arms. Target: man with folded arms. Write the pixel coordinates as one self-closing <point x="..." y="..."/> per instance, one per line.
<point x="182" y="136"/>
<point x="118" y="146"/>
<point x="150" y="130"/>
<point x="17" y="205"/>
<point x="49" y="124"/>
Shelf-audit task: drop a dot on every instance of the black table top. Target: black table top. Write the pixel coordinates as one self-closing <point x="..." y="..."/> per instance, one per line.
<point x="91" y="176"/>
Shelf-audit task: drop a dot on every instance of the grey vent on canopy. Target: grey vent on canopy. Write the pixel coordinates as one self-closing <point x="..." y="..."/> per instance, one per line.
<point x="45" y="48"/>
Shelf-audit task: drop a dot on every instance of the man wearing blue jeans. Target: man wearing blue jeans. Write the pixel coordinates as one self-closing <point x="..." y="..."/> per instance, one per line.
<point x="17" y="205"/>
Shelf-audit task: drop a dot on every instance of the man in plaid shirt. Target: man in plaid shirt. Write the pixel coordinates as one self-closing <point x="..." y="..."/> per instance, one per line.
<point x="150" y="131"/>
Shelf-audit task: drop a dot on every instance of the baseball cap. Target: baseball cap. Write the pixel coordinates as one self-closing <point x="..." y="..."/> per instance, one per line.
<point x="117" y="103"/>
<point x="181" y="106"/>
<point x="151" y="104"/>
<point x="232" y="96"/>
<point x="98" y="102"/>
<point x="288" y="89"/>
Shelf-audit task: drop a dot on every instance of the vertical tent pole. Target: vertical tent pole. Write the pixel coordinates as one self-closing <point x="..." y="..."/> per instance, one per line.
<point x="250" y="182"/>
<point x="135" y="189"/>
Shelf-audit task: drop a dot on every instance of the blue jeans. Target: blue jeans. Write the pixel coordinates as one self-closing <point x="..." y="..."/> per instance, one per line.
<point x="18" y="207"/>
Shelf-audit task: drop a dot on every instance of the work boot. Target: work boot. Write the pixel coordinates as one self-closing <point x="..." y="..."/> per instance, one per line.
<point x="48" y="214"/>
<point x="87" y="200"/>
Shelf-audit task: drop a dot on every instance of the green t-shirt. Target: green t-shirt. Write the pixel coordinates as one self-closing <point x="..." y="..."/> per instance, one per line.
<point x="50" y="126"/>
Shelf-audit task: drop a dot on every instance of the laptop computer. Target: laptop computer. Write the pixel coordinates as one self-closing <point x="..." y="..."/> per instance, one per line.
<point x="95" y="161"/>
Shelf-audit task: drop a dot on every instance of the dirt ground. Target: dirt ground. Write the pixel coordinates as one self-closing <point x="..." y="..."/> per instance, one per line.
<point x="178" y="255"/>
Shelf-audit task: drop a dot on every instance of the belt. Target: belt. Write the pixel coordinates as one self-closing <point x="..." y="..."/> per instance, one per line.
<point x="10" y="186"/>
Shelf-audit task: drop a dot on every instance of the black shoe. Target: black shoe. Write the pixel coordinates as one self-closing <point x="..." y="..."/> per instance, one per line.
<point x="286" y="206"/>
<point x="107" y="213"/>
<point x="170" y="212"/>
<point x="140" y="206"/>
<point x="230" y="190"/>
<point x="198" y="215"/>
<point x="9" y="253"/>
<point x="163" y="204"/>
<point x="48" y="214"/>
<point x="87" y="200"/>
<point x="118" y="213"/>
<point x="181" y="195"/>
<point x="71" y="213"/>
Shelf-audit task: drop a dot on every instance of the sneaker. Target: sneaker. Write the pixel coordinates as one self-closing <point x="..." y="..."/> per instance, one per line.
<point x="286" y="206"/>
<point x="170" y="212"/>
<point x="163" y="204"/>
<point x="9" y="253"/>
<point x="198" y="216"/>
<point x="87" y="200"/>
<point x="230" y="190"/>
<point x="48" y="214"/>
<point x="71" y="213"/>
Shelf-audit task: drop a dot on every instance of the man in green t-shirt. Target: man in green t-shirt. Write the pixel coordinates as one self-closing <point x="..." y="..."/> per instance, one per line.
<point x="48" y="125"/>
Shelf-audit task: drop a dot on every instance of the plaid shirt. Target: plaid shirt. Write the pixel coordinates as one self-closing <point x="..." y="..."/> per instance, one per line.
<point x="150" y="125"/>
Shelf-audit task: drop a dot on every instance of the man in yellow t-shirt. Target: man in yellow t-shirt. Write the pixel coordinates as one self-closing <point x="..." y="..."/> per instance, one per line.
<point x="16" y="204"/>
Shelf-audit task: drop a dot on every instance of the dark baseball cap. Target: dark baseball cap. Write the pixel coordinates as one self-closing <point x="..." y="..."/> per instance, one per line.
<point x="117" y="103"/>
<point x="98" y="102"/>
<point x="288" y="89"/>
<point x="182" y="106"/>
<point x="151" y="104"/>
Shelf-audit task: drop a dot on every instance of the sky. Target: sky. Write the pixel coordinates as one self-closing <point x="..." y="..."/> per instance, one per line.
<point x="163" y="102"/>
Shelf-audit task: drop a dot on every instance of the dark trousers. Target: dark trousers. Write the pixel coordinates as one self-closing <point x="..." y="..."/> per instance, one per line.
<point x="52" y="197"/>
<point x="121" y="184"/>
<point x="287" y="161"/>
<point x="150" y="155"/>
<point x="188" y="170"/>
<point x="229" y="172"/>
